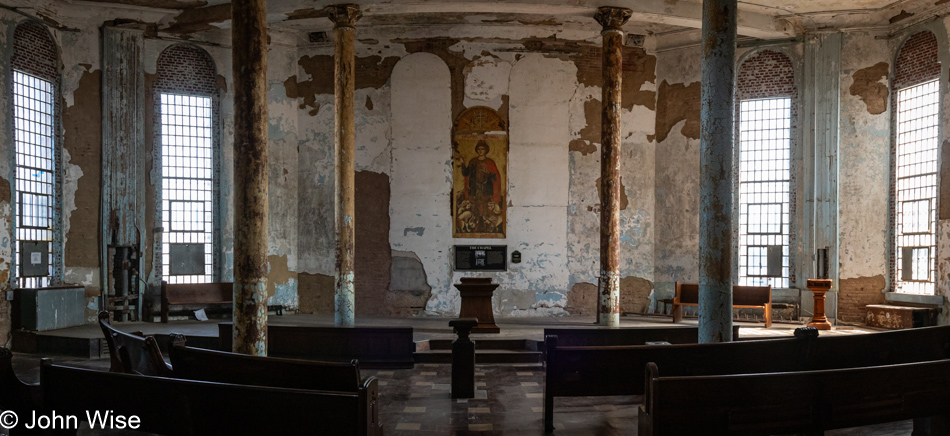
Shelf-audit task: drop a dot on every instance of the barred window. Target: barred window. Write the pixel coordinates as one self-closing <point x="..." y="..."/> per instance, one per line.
<point x="187" y="188"/>
<point x="764" y="190"/>
<point x="916" y="188"/>
<point x="33" y="126"/>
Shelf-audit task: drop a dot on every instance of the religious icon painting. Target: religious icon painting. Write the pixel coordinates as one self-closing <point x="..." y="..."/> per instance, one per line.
<point x="479" y="175"/>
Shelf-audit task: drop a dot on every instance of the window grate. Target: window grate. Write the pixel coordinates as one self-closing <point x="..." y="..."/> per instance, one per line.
<point x="916" y="187"/>
<point x="764" y="183"/>
<point x="187" y="180"/>
<point x="35" y="166"/>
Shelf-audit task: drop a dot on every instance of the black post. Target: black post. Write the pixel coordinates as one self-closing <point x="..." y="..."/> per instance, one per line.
<point x="463" y="359"/>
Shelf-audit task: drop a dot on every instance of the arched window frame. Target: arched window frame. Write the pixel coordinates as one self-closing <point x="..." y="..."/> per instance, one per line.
<point x="909" y="78"/>
<point x="175" y="78"/>
<point x="36" y="56"/>
<point x="777" y="87"/>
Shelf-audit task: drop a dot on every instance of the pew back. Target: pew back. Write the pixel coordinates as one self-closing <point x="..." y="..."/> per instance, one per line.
<point x="567" y="337"/>
<point x="605" y="370"/>
<point x="188" y="407"/>
<point x="223" y="367"/>
<point x="132" y="353"/>
<point x="782" y="403"/>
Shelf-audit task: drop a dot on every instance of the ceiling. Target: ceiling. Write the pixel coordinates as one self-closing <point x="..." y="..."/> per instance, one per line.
<point x="570" y="19"/>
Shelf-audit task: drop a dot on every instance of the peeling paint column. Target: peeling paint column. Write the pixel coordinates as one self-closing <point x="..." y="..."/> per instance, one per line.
<point x="716" y="154"/>
<point x="249" y="65"/>
<point x="123" y="142"/>
<point x="344" y="17"/>
<point x="611" y="18"/>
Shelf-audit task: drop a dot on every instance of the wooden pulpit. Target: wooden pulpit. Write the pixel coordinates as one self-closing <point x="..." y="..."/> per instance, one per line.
<point x="476" y="295"/>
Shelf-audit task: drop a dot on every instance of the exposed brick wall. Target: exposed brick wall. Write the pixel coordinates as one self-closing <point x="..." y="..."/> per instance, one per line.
<point x="917" y="62"/>
<point x="186" y="69"/>
<point x="770" y="74"/>
<point x="34" y="51"/>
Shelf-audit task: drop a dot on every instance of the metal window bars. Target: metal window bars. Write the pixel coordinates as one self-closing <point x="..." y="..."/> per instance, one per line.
<point x="916" y="188"/>
<point x="36" y="166"/>
<point x="187" y="185"/>
<point x="764" y="189"/>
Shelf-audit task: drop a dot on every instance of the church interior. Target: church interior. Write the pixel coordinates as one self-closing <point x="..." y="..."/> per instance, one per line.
<point x="386" y="182"/>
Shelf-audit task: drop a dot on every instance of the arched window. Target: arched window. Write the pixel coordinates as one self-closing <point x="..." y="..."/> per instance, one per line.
<point x="38" y="185"/>
<point x="767" y="101"/>
<point x="186" y="102"/>
<point x="914" y="165"/>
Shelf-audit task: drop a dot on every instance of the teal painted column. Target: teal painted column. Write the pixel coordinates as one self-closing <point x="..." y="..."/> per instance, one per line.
<point x="716" y="144"/>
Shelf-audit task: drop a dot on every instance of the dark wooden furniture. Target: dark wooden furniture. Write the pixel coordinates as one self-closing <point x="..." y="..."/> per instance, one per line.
<point x="133" y="353"/>
<point x="223" y="367"/>
<point x="476" y="293"/>
<point x="745" y="297"/>
<point x="463" y="358"/>
<point x="188" y="407"/>
<point x="805" y="402"/>
<point x="374" y="347"/>
<point x="197" y="296"/>
<point x="605" y="370"/>
<point x="16" y="396"/>
<point x="569" y="337"/>
<point x="819" y="287"/>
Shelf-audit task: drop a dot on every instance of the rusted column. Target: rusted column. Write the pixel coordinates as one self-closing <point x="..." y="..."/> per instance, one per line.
<point x="611" y="18"/>
<point x="344" y="18"/>
<point x="715" y="191"/>
<point x="249" y="60"/>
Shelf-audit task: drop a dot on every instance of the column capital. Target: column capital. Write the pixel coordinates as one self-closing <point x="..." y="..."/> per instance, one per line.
<point x="612" y="17"/>
<point x="343" y="15"/>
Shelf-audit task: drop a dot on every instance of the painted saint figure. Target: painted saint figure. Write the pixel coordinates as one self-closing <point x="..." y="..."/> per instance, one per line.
<point x="480" y="208"/>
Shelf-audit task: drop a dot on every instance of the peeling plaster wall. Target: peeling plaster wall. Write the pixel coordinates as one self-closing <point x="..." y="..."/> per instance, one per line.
<point x="404" y="122"/>
<point x="282" y="158"/>
<point x="864" y="150"/>
<point x="421" y="170"/>
<point x="677" y="170"/>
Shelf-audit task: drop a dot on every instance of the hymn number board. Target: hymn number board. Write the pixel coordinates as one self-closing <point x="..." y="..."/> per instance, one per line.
<point x="481" y="257"/>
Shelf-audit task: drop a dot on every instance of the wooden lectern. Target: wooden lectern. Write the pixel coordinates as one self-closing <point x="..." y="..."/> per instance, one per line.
<point x="819" y="287"/>
<point x="476" y="295"/>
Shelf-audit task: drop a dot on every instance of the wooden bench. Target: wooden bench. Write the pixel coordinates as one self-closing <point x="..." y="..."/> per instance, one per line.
<point x="188" y="407"/>
<point x="374" y="347"/>
<point x="744" y="297"/>
<point x="200" y="295"/>
<point x="605" y="370"/>
<point x="805" y="402"/>
<point x="223" y="367"/>
<point x="569" y="337"/>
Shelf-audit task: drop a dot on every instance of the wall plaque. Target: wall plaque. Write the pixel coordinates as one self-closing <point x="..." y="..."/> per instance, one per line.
<point x="481" y="257"/>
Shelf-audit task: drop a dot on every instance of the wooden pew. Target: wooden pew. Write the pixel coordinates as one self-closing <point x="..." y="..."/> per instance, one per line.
<point x="223" y="367"/>
<point x="16" y="396"/>
<point x="797" y="402"/>
<point x="374" y="347"/>
<point x="188" y="407"/>
<point x="743" y="297"/>
<point x="605" y="370"/>
<point x="133" y="353"/>
<point x="568" y="337"/>
<point x="219" y="294"/>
